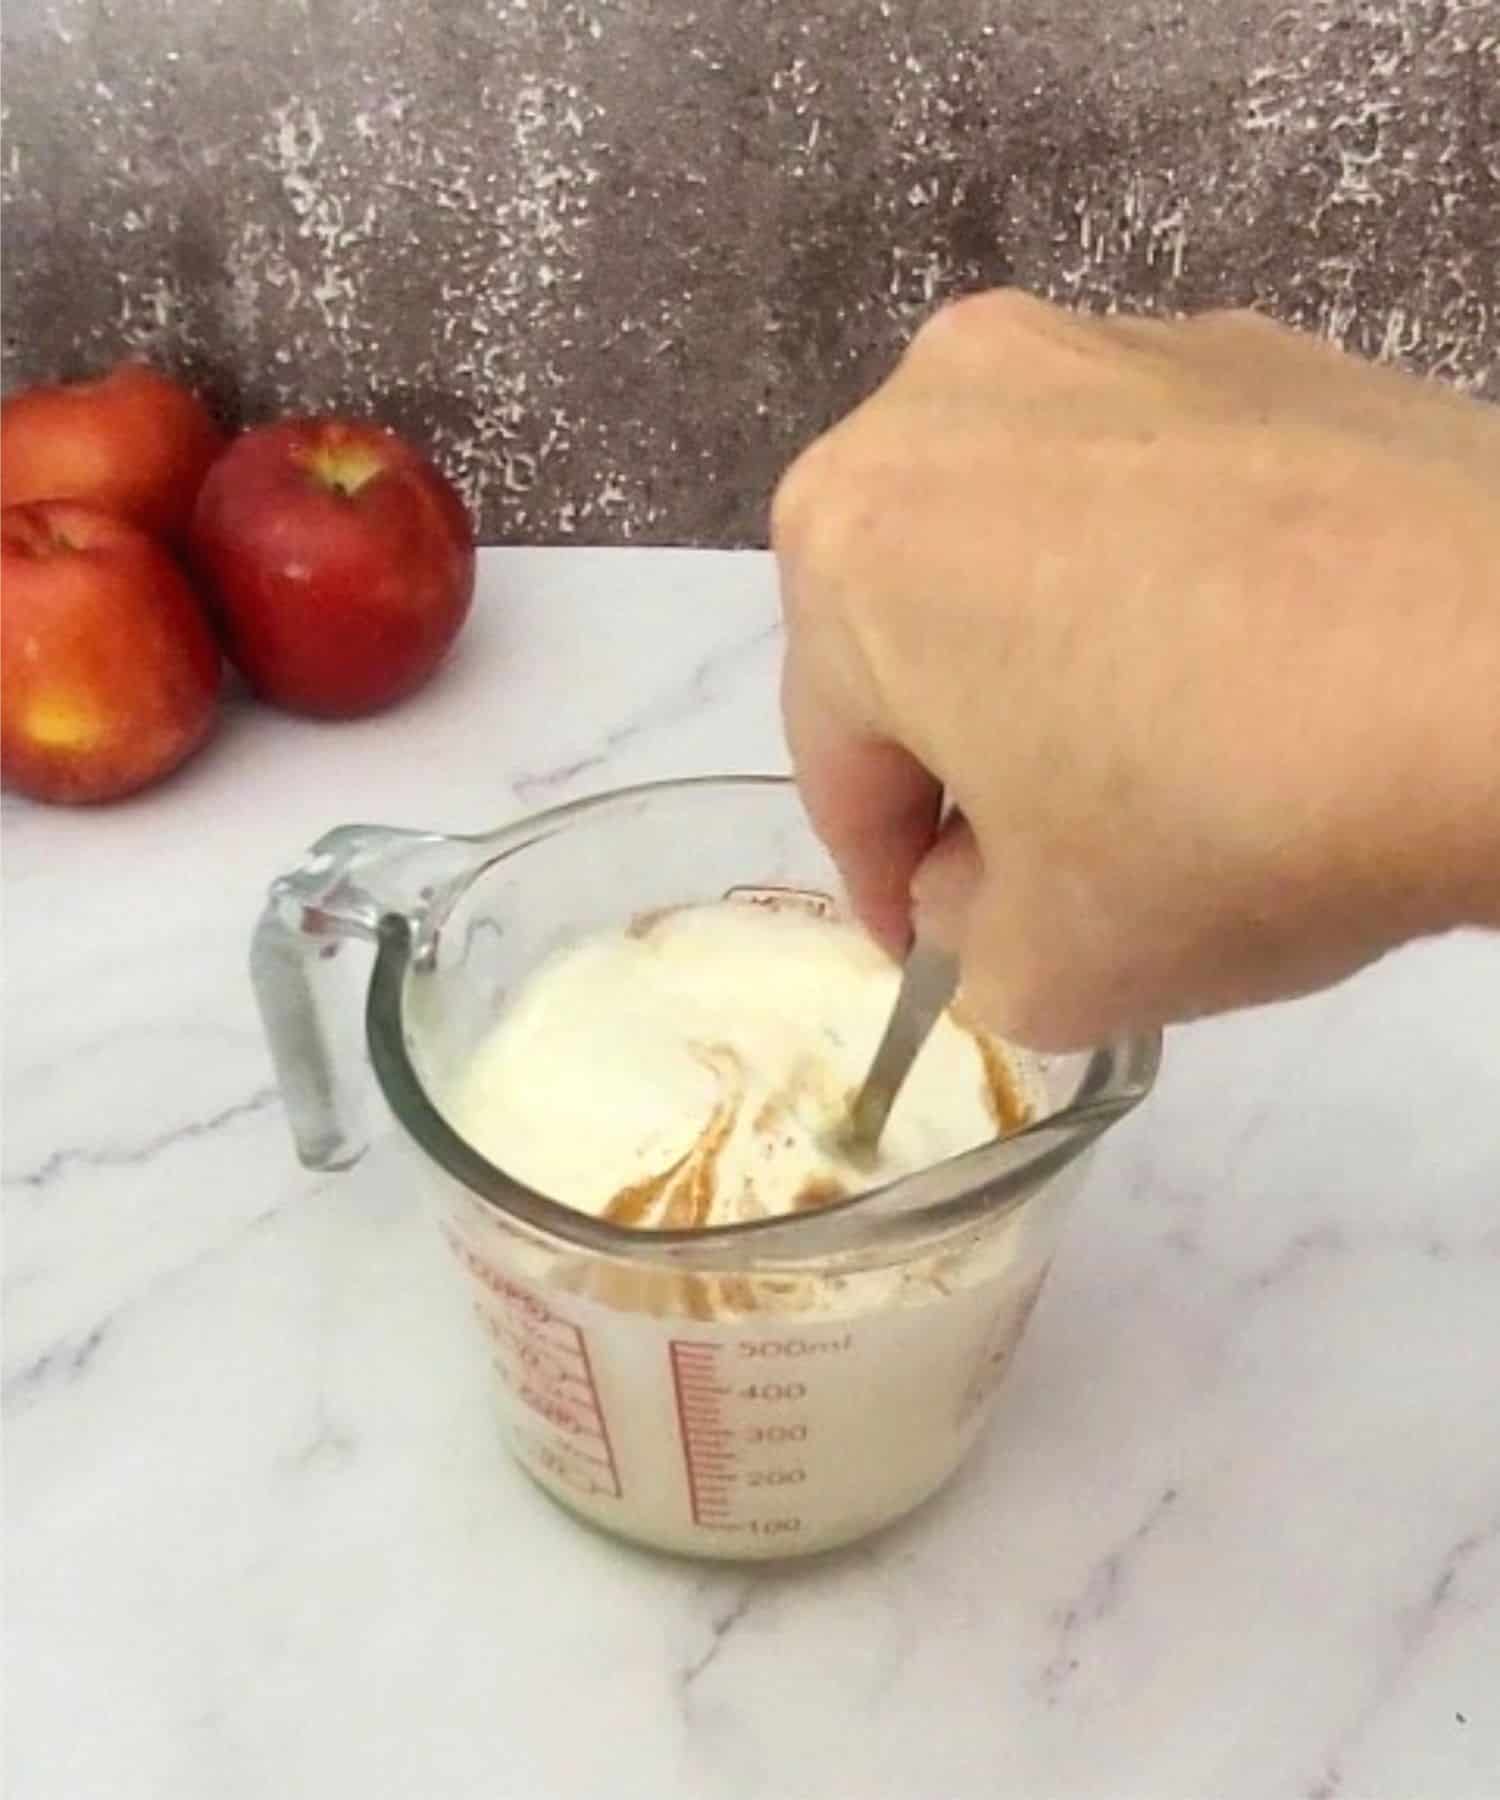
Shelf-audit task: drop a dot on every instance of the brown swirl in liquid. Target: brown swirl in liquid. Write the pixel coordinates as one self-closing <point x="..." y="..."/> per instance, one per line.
<point x="1003" y="1096"/>
<point x="818" y="1190"/>
<point x="684" y="1195"/>
<point x="681" y="1197"/>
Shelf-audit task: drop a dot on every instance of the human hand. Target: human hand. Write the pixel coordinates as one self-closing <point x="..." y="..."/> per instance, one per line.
<point x="1197" y="624"/>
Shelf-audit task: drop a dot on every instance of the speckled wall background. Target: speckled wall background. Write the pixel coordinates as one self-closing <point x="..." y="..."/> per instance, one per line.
<point x="617" y="259"/>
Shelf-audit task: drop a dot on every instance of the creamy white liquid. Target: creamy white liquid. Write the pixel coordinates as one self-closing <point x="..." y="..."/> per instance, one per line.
<point x="696" y="1069"/>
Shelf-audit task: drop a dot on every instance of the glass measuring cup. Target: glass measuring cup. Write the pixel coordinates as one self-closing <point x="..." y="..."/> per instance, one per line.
<point x="762" y="1389"/>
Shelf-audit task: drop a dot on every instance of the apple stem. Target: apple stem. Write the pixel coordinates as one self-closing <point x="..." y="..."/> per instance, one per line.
<point x="344" y="468"/>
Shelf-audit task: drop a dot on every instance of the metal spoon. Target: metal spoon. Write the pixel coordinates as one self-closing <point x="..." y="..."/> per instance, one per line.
<point x="928" y="980"/>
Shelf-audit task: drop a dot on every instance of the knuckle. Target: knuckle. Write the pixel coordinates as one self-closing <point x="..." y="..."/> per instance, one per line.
<point x="986" y="315"/>
<point x="1138" y="330"/>
<point x="1018" y="306"/>
<point x="825" y="510"/>
<point x="1232" y="320"/>
<point x="797" y="500"/>
<point x="833" y="531"/>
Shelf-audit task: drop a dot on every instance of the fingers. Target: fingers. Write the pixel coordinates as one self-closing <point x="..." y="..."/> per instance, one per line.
<point x="872" y="803"/>
<point x="1027" y="568"/>
<point x="1010" y="978"/>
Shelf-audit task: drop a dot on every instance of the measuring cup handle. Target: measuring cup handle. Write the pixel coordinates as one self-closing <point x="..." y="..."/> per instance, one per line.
<point x="310" y="1008"/>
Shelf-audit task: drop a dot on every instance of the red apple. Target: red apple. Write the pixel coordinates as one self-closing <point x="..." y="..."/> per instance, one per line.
<point x="339" y="561"/>
<point x="109" y="673"/>
<point x="134" y="442"/>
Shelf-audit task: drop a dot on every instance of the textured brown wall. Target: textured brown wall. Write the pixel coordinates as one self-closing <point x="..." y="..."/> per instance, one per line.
<point x="618" y="258"/>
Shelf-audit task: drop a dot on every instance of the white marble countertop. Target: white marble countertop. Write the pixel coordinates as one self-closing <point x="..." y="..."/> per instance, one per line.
<point x="1235" y="1531"/>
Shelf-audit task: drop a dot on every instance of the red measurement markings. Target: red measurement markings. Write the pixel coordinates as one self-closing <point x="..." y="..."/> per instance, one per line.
<point x="544" y="1360"/>
<point x="708" y="1460"/>
<point x="588" y="1371"/>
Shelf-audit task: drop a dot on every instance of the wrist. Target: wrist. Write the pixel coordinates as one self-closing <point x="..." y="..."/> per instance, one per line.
<point x="1443" y="810"/>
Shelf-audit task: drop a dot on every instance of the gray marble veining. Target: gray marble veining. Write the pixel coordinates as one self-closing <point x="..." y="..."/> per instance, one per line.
<point x="1234" y="1529"/>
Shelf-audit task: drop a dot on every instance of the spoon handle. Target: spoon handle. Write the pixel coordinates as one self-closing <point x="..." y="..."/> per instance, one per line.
<point x="929" y="978"/>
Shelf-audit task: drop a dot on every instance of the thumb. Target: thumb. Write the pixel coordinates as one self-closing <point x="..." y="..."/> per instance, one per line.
<point x="945" y="886"/>
<point x="952" y="907"/>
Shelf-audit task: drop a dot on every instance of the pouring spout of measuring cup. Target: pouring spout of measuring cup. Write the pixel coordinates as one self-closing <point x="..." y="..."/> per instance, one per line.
<point x="1011" y="1168"/>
